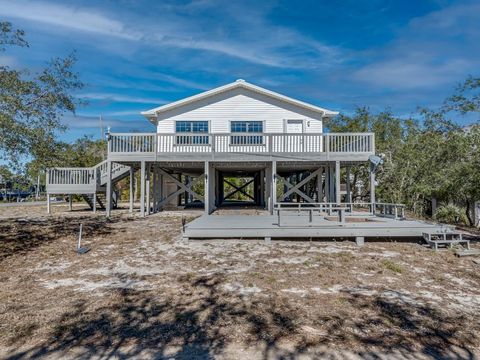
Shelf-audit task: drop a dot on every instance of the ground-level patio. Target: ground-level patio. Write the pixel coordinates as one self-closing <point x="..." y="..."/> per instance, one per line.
<point x="142" y="292"/>
<point x="359" y="226"/>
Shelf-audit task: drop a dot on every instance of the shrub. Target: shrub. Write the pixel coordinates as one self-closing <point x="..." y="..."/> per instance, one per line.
<point x="450" y="214"/>
<point x="390" y="265"/>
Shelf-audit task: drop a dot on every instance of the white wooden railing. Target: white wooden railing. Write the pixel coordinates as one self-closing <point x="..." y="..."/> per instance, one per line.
<point x="83" y="179"/>
<point x="70" y="176"/>
<point x="242" y="143"/>
<point x="389" y="210"/>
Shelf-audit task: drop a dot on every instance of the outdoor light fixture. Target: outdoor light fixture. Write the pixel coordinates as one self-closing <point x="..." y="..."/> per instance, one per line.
<point x="107" y="134"/>
<point x="375" y="161"/>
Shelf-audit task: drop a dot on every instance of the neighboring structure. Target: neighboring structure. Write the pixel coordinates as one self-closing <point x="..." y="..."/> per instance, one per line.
<point x="236" y="130"/>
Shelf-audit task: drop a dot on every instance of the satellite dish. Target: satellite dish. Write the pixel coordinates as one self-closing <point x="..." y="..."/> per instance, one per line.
<point x="375" y="161"/>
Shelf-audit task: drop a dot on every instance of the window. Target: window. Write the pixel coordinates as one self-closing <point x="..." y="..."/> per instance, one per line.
<point x="188" y="129"/>
<point x="246" y="127"/>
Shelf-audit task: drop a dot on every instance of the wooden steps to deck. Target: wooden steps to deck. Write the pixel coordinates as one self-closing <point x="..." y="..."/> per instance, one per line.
<point x="101" y="199"/>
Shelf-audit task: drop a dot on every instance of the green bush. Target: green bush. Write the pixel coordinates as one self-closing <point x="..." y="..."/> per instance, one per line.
<point x="450" y="214"/>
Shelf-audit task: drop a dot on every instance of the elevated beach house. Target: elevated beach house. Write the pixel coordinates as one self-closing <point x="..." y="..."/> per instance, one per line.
<point x="238" y="129"/>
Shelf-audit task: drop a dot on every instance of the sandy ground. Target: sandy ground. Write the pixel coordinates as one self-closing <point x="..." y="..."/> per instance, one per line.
<point x="142" y="292"/>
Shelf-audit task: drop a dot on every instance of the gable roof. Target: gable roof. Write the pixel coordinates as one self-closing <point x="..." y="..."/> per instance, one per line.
<point x="240" y="83"/>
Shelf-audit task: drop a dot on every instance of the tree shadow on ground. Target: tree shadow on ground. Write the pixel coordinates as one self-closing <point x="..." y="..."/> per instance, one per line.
<point x="20" y="236"/>
<point x="203" y="319"/>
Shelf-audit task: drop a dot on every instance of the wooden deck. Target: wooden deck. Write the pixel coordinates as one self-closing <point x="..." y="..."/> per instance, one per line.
<point x="299" y="226"/>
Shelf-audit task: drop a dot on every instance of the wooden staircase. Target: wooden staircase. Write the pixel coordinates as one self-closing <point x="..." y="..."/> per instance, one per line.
<point x="87" y="182"/>
<point x="101" y="199"/>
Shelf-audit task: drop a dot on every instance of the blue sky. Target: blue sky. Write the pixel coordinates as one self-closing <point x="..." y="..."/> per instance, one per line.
<point x="136" y="55"/>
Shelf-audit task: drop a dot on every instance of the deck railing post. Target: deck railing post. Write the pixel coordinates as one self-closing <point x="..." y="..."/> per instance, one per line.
<point x="327" y="145"/>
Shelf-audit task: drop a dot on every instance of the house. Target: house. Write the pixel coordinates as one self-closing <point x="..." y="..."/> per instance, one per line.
<point x="236" y="130"/>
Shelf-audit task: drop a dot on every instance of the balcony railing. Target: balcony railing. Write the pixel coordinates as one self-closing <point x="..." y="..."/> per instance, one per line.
<point x="258" y="143"/>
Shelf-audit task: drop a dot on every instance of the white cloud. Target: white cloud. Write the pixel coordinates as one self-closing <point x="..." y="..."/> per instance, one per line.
<point x="68" y="17"/>
<point x="430" y="52"/>
<point x="7" y="60"/>
<point x="259" y="42"/>
<point x="93" y="122"/>
<point x="119" y="98"/>
<point x="411" y="74"/>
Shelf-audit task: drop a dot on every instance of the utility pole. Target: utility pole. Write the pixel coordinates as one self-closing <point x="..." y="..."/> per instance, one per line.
<point x="101" y="128"/>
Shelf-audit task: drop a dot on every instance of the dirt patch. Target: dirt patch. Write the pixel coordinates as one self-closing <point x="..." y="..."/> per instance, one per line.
<point x="142" y="292"/>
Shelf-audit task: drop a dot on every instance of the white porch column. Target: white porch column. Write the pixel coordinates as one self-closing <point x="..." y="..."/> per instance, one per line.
<point x="108" y="195"/>
<point x="131" y="189"/>
<point x="70" y="204"/>
<point x="142" y="189"/>
<point x="49" y="208"/>
<point x="94" y="202"/>
<point x="338" y="194"/>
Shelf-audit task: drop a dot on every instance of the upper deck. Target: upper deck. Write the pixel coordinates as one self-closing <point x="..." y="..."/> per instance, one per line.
<point x="125" y="147"/>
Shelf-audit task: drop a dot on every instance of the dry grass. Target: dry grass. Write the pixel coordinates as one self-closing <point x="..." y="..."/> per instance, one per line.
<point x="141" y="292"/>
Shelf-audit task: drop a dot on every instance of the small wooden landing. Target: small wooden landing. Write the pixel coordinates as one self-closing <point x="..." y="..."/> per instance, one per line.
<point x="444" y="237"/>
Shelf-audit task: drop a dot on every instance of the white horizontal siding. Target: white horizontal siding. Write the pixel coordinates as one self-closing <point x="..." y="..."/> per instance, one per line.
<point x="240" y="104"/>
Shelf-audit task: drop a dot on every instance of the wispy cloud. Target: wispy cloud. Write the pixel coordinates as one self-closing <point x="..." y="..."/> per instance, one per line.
<point x="118" y="98"/>
<point x="6" y="60"/>
<point x="93" y="122"/>
<point x="429" y="52"/>
<point x="86" y="20"/>
<point x="259" y="42"/>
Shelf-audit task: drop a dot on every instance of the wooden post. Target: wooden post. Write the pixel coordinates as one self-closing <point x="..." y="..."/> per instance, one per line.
<point x="162" y="190"/>
<point x="338" y="195"/>
<point x="434" y="206"/>
<point x="320" y="186"/>
<point x="142" y="189"/>
<point x="372" y="188"/>
<point x="327" y="183"/>
<point x="154" y="188"/>
<point x="47" y="181"/>
<point x="211" y="190"/>
<point x="109" y="188"/>
<point x="94" y="202"/>
<point x="147" y="186"/>
<point x="206" y="191"/>
<point x="349" y="190"/>
<point x="268" y="188"/>
<point x="70" y="205"/>
<point x="274" y="185"/>
<point x="132" y="174"/>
